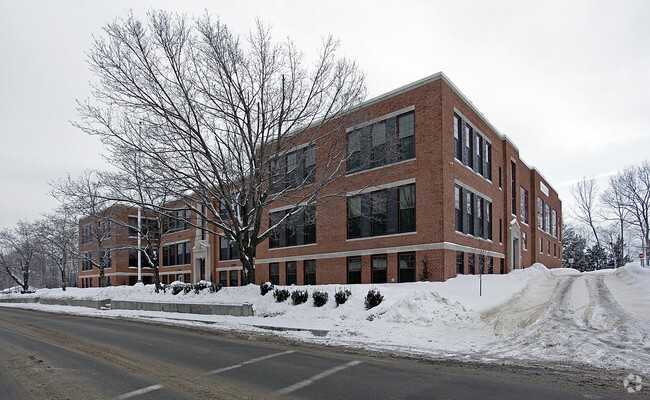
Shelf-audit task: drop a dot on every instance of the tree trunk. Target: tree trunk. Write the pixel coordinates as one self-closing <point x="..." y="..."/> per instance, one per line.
<point x="63" y="278"/>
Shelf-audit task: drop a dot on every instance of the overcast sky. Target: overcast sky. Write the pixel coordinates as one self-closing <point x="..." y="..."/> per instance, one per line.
<point x="567" y="81"/>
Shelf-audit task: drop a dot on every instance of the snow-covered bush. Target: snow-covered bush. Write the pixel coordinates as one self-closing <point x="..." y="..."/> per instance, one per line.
<point x="280" y="295"/>
<point x="266" y="287"/>
<point x="320" y="298"/>
<point x="341" y="296"/>
<point x="214" y="287"/>
<point x="299" y="297"/>
<point x="373" y="298"/>
<point x="187" y="288"/>
<point x="177" y="288"/>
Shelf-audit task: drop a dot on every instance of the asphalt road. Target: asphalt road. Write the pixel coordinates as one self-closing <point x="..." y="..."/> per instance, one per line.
<point x="51" y="356"/>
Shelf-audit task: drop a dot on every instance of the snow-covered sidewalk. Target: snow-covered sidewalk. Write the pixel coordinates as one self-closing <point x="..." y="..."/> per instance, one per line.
<point x="559" y="316"/>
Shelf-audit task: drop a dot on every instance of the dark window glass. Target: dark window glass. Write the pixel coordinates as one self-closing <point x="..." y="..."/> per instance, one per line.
<point x="406" y="132"/>
<point x="470" y="264"/>
<point x="292" y="273"/>
<point x="470" y="213"/>
<point x="292" y="231"/>
<point x="310" y="225"/>
<point x="310" y="272"/>
<point x="378" y="136"/>
<point x="274" y="238"/>
<point x="354" y="217"/>
<point x="274" y="273"/>
<point x="469" y="146"/>
<point x="309" y="169"/>
<point x="407" y="208"/>
<point x="460" y="262"/>
<point x="223" y="278"/>
<point x="354" y="150"/>
<point x="513" y="186"/>
<point x="354" y="270"/>
<point x="379" y="269"/>
<point x="379" y="215"/>
<point x="488" y="160"/>
<point x="407" y="267"/>
<point x="458" y="143"/>
<point x="234" y="278"/>
<point x="458" y="204"/>
<point x="292" y="170"/>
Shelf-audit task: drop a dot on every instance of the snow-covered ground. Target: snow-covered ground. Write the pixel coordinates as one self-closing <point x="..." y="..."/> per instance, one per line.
<point x="559" y="316"/>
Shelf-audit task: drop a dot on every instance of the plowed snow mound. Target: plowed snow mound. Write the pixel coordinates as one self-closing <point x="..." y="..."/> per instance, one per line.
<point x="424" y="308"/>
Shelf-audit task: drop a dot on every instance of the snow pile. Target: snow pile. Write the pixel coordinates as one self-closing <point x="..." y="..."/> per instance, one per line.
<point x="558" y="316"/>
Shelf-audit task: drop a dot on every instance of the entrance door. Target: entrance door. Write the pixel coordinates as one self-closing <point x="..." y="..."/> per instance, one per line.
<point x="202" y="268"/>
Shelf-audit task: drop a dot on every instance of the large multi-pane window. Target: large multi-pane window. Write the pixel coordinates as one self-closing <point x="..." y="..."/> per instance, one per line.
<point x="354" y="270"/>
<point x="354" y="160"/>
<point x="148" y="227"/>
<point x="470" y="213"/>
<point x="105" y="257"/>
<point x="296" y="230"/>
<point x="234" y="278"/>
<point x="553" y="230"/>
<point x="407" y="208"/>
<point x="458" y="143"/>
<point x="104" y="229"/>
<point x="469" y="146"/>
<point x="309" y="169"/>
<point x="540" y="213"/>
<point x="310" y="272"/>
<point x="406" y="133"/>
<point x="524" y="240"/>
<point x="513" y="186"/>
<point x="354" y="217"/>
<point x="227" y="250"/>
<point x="292" y="171"/>
<point x="86" y="233"/>
<point x="523" y="200"/>
<point x="460" y="262"/>
<point x="178" y="220"/>
<point x="86" y="262"/>
<point x="378" y="135"/>
<point x="470" y="264"/>
<point x="459" y="208"/>
<point x="223" y="278"/>
<point x="407" y="267"/>
<point x="379" y="212"/>
<point x="292" y="273"/>
<point x="488" y="218"/>
<point x="379" y="269"/>
<point x="274" y="273"/>
<point x="177" y="254"/>
<point x="478" y="147"/>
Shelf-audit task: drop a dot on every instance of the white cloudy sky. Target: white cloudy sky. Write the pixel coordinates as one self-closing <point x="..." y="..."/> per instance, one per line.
<point x="568" y="81"/>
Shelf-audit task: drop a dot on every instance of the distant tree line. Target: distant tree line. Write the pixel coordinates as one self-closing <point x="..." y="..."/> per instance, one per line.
<point x="611" y="226"/>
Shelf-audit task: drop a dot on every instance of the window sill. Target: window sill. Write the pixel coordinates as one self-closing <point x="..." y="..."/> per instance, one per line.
<point x="474" y="237"/>
<point x="475" y="173"/>
<point x="382" y="236"/>
<point x="292" y="247"/>
<point x="353" y="173"/>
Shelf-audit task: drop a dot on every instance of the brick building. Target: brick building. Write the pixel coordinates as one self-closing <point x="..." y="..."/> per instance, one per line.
<point x="428" y="180"/>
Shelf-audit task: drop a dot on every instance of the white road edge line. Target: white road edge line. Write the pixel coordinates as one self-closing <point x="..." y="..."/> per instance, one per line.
<point x="254" y="360"/>
<point x="140" y="391"/>
<point x="307" y="382"/>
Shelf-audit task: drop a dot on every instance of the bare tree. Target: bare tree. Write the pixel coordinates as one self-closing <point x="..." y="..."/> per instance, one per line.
<point x="585" y="194"/>
<point x="231" y="125"/>
<point x="59" y="237"/>
<point x="634" y="186"/>
<point x="18" y="252"/>
<point x="614" y="201"/>
<point x="86" y="196"/>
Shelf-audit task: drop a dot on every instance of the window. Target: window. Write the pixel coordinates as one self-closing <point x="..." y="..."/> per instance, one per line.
<point x="133" y="258"/>
<point x="274" y="273"/>
<point x="540" y="213"/>
<point x="292" y="171"/>
<point x="470" y="213"/>
<point x="104" y="229"/>
<point x="458" y="207"/>
<point x="541" y="245"/>
<point x="223" y="278"/>
<point x="354" y="270"/>
<point x="481" y="264"/>
<point x="499" y="177"/>
<point x="470" y="264"/>
<point x="379" y="269"/>
<point x="277" y="176"/>
<point x="547" y="217"/>
<point x="234" y="278"/>
<point x="177" y="254"/>
<point x="105" y="257"/>
<point x="86" y="262"/>
<point x="513" y="186"/>
<point x="86" y="233"/>
<point x="407" y="267"/>
<point x="554" y="249"/>
<point x="553" y="223"/>
<point x="378" y="134"/>
<point x="524" y="240"/>
<point x="292" y="273"/>
<point x="490" y="265"/>
<point x="406" y="132"/>
<point x="488" y="160"/>
<point x="175" y="221"/>
<point x="309" y="169"/>
<point x="292" y="230"/>
<point x="309" y="225"/>
<point x="523" y="199"/>
<point x="407" y="208"/>
<point x="379" y="214"/>
<point x="274" y="221"/>
<point x="480" y="203"/>
<point x="310" y="272"/>
<point x="548" y="247"/>
<point x="227" y="250"/>
<point x="149" y="227"/>
<point x="354" y="150"/>
<point x="500" y="231"/>
<point x="460" y="262"/>
<point x="458" y="143"/>
<point x="354" y="217"/>
<point x="488" y="217"/>
<point x="478" y="147"/>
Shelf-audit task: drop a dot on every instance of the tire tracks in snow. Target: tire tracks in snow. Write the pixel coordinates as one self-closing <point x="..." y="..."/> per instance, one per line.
<point x="533" y="326"/>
